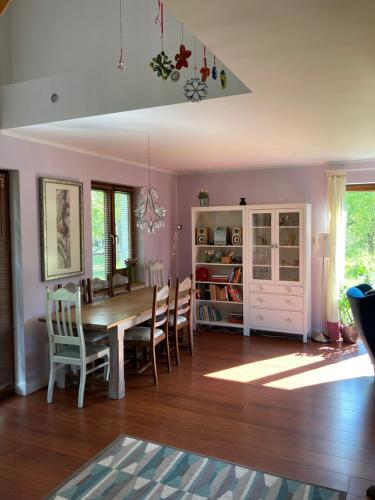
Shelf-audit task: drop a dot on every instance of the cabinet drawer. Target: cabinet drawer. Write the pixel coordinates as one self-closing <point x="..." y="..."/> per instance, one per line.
<point x="273" y="301"/>
<point x="280" y="289"/>
<point x="279" y="320"/>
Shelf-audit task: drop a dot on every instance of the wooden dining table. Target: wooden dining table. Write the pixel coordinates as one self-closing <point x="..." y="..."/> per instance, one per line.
<point x="115" y="315"/>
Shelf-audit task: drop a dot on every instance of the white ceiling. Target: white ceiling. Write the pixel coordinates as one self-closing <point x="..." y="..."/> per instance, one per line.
<point x="310" y="65"/>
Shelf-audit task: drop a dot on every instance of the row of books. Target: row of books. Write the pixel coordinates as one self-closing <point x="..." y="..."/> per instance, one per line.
<point x="236" y="318"/>
<point x="225" y="293"/>
<point x="205" y="313"/>
<point x="235" y="276"/>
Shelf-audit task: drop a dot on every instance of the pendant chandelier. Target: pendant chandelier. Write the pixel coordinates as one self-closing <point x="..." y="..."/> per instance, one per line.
<point x="150" y="215"/>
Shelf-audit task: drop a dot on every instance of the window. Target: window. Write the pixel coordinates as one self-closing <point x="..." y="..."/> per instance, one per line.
<point x="112" y="228"/>
<point x="360" y="234"/>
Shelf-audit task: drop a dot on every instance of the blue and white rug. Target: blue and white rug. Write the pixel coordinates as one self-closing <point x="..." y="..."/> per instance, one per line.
<point x="134" y="469"/>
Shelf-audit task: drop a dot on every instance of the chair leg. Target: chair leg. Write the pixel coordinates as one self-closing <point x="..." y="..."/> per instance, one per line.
<point x="82" y="383"/>
<point x="51" y="382"/>
<point x="168" y="353"/>
<point x="177" y="350"/>
<point x="154" y="367"/>
<point x="106" y="371"/>
<point x="190" y="335"/>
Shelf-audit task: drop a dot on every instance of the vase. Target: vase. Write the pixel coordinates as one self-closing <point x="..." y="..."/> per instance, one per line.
<point x="203" y="202"/>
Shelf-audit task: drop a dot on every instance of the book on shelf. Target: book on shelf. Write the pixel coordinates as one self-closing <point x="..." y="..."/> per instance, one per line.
<point x="235" y="318"/>
<point x="221" y="293"/>
<point x="205" y="313"/>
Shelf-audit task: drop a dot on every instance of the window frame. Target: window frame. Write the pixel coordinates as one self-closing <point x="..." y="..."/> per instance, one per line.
<point x="361" y="187"/>
<point x="111" y="189"/>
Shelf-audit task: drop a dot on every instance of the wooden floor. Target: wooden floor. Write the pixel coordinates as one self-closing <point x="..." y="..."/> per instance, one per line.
<point x="301" y="411"/>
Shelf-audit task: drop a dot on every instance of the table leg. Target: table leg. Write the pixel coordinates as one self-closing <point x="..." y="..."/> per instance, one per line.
<point x="116" y="348"/>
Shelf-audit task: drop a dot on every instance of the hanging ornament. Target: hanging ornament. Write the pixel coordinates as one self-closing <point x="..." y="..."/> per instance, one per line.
<point x="182" y="57"/>
<point x="175" y="75"/>
<point x="161" y="63"/>
<point x="205" y="70"/>
<point x="194" y="89"/>
<point x="121" y="62"/>
<point x="223" y="79"/>
<point x="214" y="70"/>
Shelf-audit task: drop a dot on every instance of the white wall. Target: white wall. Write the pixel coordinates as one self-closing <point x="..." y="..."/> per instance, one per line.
<point x="5" y="67"/>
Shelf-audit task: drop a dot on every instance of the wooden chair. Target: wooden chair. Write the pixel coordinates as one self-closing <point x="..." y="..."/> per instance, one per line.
<point x="97" y="288"/>
<point x="72" y="286"/>
<point x="181" y="317"/>
<point x="67" y="344"/>
<point x="119" y="282"/>
<point x="149" y="337"/>
<point x="156" y="273"/>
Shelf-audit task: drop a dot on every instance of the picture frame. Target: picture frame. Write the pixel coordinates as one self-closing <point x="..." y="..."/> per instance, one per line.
<point x="61" y="228"/>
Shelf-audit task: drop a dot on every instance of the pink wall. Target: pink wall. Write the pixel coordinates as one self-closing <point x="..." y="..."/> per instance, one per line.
<point x="33" y="161"/>
<point x="277" y="185"/>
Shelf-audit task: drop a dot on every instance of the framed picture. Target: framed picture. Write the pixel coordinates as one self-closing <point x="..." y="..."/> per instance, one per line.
<point x="61" y="223"/>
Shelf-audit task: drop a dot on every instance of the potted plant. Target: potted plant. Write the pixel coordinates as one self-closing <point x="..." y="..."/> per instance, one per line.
<point x="203" y="197"/>
<point x="347" y="329"/>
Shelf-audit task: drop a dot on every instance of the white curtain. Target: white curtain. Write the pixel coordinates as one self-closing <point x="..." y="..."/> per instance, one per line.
<point x="336" y="228"/>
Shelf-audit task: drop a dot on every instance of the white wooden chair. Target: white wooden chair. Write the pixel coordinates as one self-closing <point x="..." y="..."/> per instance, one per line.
<point x="181" y="317"/>
<point x="148" y="337"/>
<point x="156" y="273"/>
<point x="66" y="340"/>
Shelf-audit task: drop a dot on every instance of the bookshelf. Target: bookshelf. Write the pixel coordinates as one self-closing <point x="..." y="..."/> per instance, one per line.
<point x="221" y="290"/>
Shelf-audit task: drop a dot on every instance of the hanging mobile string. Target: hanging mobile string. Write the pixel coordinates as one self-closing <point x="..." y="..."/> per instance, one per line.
<point x="149" y="160"/>
<point x="182" y="33"/>
<point x="159" y="19"/>
<point x="195" y="55"/>
<point x="121" y="62"/>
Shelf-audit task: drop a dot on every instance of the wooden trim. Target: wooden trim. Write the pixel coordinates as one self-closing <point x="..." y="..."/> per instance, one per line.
<point x="4" y="4"/>
<point x="361" y="187"/>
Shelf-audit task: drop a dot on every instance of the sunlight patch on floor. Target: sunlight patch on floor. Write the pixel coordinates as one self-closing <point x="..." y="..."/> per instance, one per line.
<point x="265" y="368"/>
<point x="352" y="368"/>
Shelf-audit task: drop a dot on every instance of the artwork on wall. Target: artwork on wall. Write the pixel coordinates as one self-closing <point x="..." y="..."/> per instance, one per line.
<point x="61" y="224"/>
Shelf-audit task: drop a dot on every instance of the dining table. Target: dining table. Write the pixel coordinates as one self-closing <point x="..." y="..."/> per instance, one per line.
<point x="115" y="315"/>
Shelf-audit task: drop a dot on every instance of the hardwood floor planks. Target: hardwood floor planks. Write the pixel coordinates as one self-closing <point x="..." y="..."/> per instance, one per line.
<point x="323" y="433"/>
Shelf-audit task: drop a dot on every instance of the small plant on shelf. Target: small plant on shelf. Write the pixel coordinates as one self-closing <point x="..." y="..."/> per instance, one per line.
<point x="203" y="197"/>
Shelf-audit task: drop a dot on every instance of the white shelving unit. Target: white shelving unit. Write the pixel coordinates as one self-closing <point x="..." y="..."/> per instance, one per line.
<point x="278" y="238"/>
<point x="274" y="292"/>
<point x="211" y="310"/>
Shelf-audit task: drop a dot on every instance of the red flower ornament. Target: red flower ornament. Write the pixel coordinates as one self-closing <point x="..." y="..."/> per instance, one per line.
<point x="182" y="57"/>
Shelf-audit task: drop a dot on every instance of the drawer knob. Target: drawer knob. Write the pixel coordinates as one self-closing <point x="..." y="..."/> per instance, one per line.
<point x="260" y="317"/>
<point x="288" y="301"/>
<point x="288" y="320"/>
<point x="259" y="299"/>
<point x="288" y="289"/>
<point x="260" y="287"/>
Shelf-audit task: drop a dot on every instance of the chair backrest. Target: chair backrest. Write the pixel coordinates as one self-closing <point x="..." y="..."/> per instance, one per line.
<point x="160" y="309"/>
<point x="363" y="309"/>
<point x="183" y="293"/>
<point x="63" y="317"/>
<point x="156" y="273"/>
<point x="97" y="287"/>
<point x="119" y="282"/>
<point x="72" y="286"/>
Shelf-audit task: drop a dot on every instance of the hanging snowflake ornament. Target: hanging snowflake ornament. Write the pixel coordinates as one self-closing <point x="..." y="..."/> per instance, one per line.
<point x="195" y="90"/>
<point x="205" y="70"/>
<point x="162" y="65"/>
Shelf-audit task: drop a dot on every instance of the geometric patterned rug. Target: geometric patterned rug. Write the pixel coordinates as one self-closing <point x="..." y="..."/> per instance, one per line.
<point x="134" y="469"/>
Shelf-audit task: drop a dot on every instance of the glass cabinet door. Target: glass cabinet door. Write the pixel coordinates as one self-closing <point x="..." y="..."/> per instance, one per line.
<point x="261" y="246"/>
<point x="289" y="229"/>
